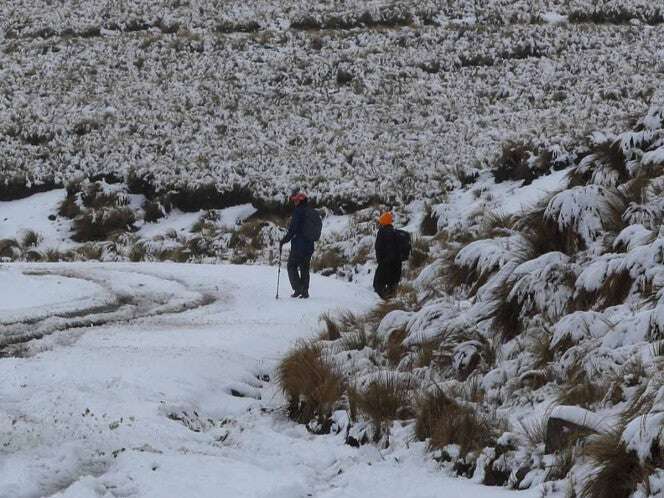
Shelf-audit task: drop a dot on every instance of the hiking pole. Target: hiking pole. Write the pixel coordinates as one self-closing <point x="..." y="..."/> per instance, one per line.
<point x="279" y="272"/>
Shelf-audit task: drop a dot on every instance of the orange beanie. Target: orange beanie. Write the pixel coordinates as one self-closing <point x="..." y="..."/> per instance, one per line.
<point x="386" y="218"/>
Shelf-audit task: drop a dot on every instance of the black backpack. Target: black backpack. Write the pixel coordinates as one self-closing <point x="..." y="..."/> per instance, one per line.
<point x="313" y="225"/>
<point x="403" y="244"/>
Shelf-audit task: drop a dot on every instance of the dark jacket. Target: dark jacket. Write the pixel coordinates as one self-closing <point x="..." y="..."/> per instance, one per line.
<point x="387" y="246"/>
<point x="300" y="246"/>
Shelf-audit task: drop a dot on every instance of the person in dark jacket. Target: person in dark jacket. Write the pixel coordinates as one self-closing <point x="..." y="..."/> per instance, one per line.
<point x="301" y="248"/>
<point x="388" y="273"/>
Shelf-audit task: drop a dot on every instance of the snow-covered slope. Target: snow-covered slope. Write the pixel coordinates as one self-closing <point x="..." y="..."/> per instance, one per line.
<point x="354" y="101"/>
<point x="530" y="349"/>
<point x="181" y="403"/>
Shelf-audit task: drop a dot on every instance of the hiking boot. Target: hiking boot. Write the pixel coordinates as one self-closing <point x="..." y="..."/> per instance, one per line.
<point x="296" y="294"/>
<point x="304" y="295"/>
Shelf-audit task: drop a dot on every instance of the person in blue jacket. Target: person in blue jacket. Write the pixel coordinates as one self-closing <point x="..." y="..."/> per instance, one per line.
<point x="301" y="248"/>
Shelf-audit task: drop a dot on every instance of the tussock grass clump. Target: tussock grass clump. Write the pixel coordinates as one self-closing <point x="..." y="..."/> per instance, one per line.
<point x="506" y="314"/>
<point x="93" y="196"/>
<point x="617" y="470"/>
<point x="54" y="256"/>
<point x="496" y="225"/>
<point x="394" y="349"/>
<point x="541" y="235"/>
<point x="579" y="389"/>
<point x="9" y="248"/>
<point x="610" y="154"/>
<point x="89" y="252"/>
<point x="34" y="255"/>
<point x="563" y="463"/>
<point x="331" y="332"/>
<point x="430" y="408"/>
<point x="419" y="255"/>
<point x="513" y="162"/>
<point x="331" y="259"/>
<point x="69" y="208"/>
<point x="355" y="340"/>
<point x="153" y="211"/>
<point x="386" y="398"/>
<point x="429" y="224"/>
<point x="426" y="354"/>
<point x="100" y="224"/>
<point x="311" y="382"/>
<point x="247" y="240"/>
<point x="444" y="421"/>
<point x="361" y="256"/>
<point x="354" y="331"/>
<point x="30" y="238"/>
<point x="177" y="255"/>
<point x="521" y="161"/>
<point x="541" y="349"/>
<point x="637" y="188"/>
<point x="138" y="252"/>
<point x="615" y="289"/>
<point x="452" y="276"/>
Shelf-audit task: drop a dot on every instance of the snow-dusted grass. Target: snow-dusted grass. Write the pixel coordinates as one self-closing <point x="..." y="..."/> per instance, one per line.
<point x="380" y="106"/>
<point x="558" y="304"/>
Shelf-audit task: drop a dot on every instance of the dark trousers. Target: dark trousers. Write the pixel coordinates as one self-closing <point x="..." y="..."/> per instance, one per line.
<point x="387" y="278"/>
<point x="298" y="272"/>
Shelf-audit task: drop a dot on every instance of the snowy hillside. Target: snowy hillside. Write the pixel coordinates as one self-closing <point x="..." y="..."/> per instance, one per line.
<point x="529" y="352"/>
<point x="355" y="102"/>
<point x="521" y="143"/>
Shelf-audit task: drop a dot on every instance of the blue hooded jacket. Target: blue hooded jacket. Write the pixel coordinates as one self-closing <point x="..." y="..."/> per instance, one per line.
<point x="300" y="246"/>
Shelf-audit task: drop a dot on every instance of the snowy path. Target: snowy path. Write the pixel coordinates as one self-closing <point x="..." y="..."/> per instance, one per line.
<point x="145" y="404"/>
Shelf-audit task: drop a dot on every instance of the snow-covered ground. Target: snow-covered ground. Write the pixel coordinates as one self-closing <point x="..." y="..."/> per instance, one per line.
<point x="172" y="394"/>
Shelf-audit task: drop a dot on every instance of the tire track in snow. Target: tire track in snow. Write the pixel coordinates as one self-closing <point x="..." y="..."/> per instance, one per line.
<point x="122" y="307"/>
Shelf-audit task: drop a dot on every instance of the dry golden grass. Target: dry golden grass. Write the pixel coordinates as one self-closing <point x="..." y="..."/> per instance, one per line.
<point x="426" y="353"/>
<point x="331" y="332"/>
<point x="542" y="236"/>
<point x="617" y="470"/>
<point x="541" y="350"/>
<point x="563" y="463"/>
<point x="615" y="289"/>
<point x="430" y="408"/>
<point x="100" y="224"/>
<point x="331" y="259"/>
<point x="419" y="255"/>
<point x="152" y="211"/>
<point x="361" y="256"/>
<point x="54" y="256"/>
<point x="30" y="238"/>
<point x="386" y="398"/>
<point x="312" y="384"/>
<point x="89" y="251"/>
<point x="579" y="389"/>
<point x="350" y="331"/>
<point x="69" y="207"/>
<point x="506" y="314"/>
<point x="429" y="225"/>
<point x="248" y="236"/>
<point x="452" y="276"/>
<point x="394" y="349"/>
<point x="465" y="427"/>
